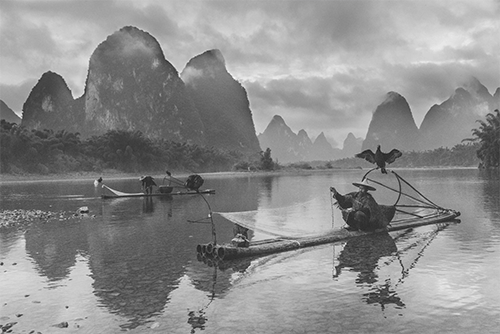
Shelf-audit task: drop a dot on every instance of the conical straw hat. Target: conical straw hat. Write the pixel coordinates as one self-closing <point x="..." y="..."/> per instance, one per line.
<point x="364" y="183"/>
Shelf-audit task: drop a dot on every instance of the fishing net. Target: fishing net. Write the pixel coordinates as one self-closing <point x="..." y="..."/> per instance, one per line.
<point x="299" y="220"/>
<point x="120" y="193"/>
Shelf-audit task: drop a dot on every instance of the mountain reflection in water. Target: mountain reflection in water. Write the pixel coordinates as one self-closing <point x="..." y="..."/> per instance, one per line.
<point x="134" y="266"/>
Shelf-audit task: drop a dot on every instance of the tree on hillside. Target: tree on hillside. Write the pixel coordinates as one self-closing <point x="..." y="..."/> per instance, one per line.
<point x="266" y="162"/>
<point x="488" y="135"/>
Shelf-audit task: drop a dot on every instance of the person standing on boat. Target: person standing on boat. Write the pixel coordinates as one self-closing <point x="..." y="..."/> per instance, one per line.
<point x="361" y="211"/>
<point x="147" y="184"/>
<point x="98" y="181"/>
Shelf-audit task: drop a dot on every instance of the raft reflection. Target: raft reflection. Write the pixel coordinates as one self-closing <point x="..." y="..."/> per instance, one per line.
<point x="368" y="255"/>
<point x="375" y="258"/>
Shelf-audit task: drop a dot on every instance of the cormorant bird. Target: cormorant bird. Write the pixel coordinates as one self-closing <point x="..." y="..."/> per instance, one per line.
<point x="380" y="158"/>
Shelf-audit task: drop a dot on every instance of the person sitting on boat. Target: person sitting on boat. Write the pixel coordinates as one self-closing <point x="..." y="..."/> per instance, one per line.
<point x="147" y="184"/>
<point x="361" y="211"/>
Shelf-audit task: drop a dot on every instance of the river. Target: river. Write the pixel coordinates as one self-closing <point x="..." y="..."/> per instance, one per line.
<point x="130" y="264"/>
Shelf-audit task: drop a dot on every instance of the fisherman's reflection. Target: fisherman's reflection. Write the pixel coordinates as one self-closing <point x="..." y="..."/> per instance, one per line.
<point x="147" y="205"/>
<point x="362" y="255"/>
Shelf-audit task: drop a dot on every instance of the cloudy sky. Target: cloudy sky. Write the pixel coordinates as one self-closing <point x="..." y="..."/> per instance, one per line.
<point x="324" y="66"/>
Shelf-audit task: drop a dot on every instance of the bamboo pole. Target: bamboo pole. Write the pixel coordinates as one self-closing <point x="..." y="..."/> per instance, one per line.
<point x="228" y="252"/>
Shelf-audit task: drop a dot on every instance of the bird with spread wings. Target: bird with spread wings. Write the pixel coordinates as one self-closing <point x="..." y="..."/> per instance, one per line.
<point x="380" y="158"/>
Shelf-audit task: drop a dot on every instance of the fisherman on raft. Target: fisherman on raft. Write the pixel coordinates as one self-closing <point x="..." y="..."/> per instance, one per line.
<point x="360" y="210"/>
<point x="147" y="184"/>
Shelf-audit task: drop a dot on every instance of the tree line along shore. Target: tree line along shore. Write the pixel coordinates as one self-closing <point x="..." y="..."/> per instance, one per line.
<point x="26" y="153"/>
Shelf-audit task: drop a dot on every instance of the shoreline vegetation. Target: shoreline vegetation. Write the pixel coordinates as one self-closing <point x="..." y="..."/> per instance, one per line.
<point x="460" y="156"/>
<point x="116" y="175"/>
<point x="48" y="155"/>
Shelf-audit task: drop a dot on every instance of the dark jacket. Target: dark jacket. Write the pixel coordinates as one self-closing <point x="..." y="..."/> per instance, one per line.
<point x="148" y="181"/>
<point x="377" y="216"/>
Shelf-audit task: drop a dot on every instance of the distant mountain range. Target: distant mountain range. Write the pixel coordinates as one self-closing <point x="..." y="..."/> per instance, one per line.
<point x="392" y="126"/>
<point x="450" y="122"/>
<point x="286" y="146"/>
<point x="444" y="125"/>
<point x="131" y="86"/>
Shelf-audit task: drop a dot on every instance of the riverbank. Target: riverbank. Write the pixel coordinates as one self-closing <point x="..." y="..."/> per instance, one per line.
<point x="115" y="175"/>
<point x="22" y="218"/>
<point x="111" y="174"/>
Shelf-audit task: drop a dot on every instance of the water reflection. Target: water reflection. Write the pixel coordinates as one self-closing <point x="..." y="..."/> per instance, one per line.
<point x="147" y="205"/>
<point x="370" y="256"/>
<point x="383" y="295"/>
<point x="54" y="247"/>
<point x="197" y="319"/>
<point x="491" y="193"/>
<point x="142" y="260"/>
<point x="137" y="252"/>
<point x="134" y="273"/>
<point x="215" y="278"/>
<point x="362" y="254"/>
<point x="267" y="184"/>
<point x="367" y="255"/>
<point x="137" y="262"/>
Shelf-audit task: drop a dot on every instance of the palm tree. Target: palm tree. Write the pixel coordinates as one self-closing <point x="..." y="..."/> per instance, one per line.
<point x="488" y="135"/>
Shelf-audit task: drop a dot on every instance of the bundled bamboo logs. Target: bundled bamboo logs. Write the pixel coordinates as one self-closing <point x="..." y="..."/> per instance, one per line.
<point x="269" y="246"/>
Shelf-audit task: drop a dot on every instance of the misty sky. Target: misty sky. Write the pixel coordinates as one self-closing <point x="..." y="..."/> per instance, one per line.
<point x="324" y="66"/>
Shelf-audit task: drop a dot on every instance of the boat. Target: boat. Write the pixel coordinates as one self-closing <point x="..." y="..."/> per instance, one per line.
<point x="163" y="191"/>
<point x="276" y="245"/>
<point x="425" y="212"/>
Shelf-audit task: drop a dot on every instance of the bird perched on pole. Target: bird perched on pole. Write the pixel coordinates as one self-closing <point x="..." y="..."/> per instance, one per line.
<point x="380" y="158"/>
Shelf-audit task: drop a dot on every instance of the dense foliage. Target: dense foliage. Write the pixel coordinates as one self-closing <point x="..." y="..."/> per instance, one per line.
<point x="488" y="137"/>
<point x="266" y="161"/>
<point x="46" y="151"/>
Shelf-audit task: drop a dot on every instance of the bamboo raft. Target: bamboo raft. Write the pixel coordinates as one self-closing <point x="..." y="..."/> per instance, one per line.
<point x="270" y="246"/>
<point x="119" y="194"/>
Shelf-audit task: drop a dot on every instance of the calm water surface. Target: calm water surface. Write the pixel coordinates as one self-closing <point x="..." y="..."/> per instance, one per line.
<point x="132" y="264"/>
